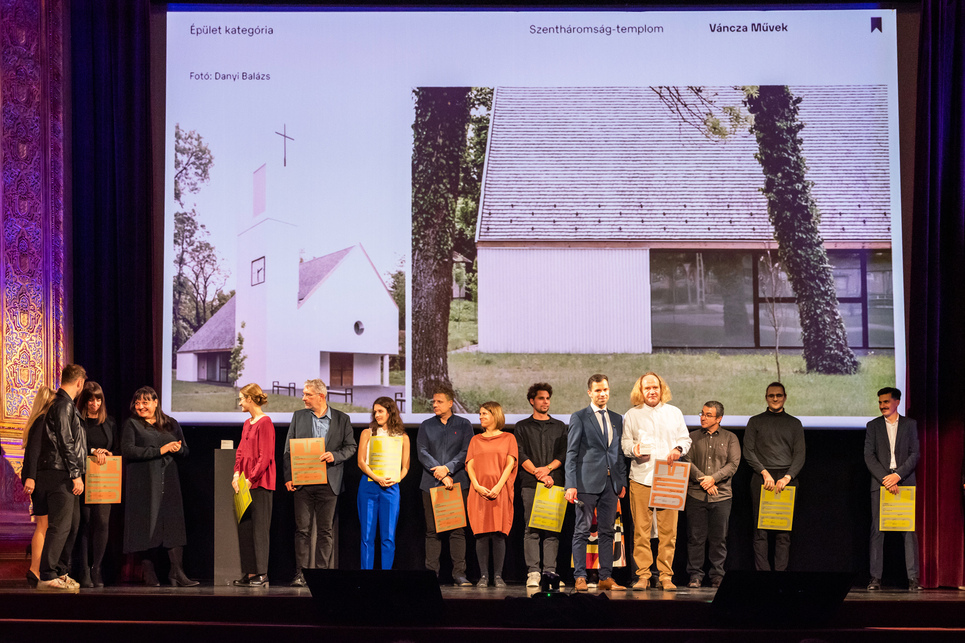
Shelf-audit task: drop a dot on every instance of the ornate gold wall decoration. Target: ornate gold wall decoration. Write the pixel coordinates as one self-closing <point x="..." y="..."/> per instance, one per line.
<point x="32" y="238"/>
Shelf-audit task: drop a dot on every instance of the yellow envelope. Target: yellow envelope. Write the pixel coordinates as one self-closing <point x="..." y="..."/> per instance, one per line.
<point x="776" y="509"/>
<point x="896" y="512"/>
<point x="242" y="498"/>
<point x="549" y="507"/>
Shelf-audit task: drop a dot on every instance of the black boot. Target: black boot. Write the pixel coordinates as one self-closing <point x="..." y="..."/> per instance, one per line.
<point x="85" y="580"/>
<point x="176" y="575"/>
<point x="96" y="576"/>
<point x="147" y="568"/>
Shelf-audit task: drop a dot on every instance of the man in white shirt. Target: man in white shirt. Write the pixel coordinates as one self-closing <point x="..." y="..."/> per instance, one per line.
<point x="652" y="430"/>
<point x="891" y="455"/>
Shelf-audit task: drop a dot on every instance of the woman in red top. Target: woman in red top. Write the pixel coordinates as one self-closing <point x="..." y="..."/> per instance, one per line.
<point x="256" y="461"/>
<point x="491" y="465"/>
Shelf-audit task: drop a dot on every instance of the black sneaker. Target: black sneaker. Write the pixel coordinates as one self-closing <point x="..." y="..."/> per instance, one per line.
<point x="244" y="581"/>
<point x="299" y="580"/>
<point x="694" y="583"/>
<point x="914" y="585"/>
<point x="461" y="581"/>
<point x="874" y="585"/>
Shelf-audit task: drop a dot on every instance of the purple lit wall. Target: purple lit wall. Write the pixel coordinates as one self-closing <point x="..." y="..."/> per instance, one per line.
<point x="34" y="81"/>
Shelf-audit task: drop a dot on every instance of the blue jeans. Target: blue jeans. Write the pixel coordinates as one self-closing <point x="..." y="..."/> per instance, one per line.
<point x="378" y="506"/>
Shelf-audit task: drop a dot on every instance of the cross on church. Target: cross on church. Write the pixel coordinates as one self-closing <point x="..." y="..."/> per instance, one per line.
<point x="284" y="134"/>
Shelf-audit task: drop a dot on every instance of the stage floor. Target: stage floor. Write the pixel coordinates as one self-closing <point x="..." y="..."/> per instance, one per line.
<point x="468" y="615"/>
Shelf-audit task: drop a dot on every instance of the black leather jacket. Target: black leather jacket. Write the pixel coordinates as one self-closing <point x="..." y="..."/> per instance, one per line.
<point x="63" y="442"/>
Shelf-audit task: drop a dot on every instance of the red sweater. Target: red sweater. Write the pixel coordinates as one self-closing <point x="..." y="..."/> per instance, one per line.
<point x="256" y="453"/>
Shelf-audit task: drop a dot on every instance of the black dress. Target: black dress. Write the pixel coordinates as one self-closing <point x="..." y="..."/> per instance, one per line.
<point x="153" y="511"/>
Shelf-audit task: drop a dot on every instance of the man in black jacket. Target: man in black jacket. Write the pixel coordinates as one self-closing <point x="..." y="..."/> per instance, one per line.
<point x="891" y="454"/>
<point x="60" y="481"/>
<point x="318" y="501"/>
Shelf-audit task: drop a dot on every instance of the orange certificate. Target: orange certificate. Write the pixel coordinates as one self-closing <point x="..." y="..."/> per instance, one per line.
<point x="306" y="466"/>
<point x="448" y="509"/>
<point x="102" y="482"/>
<point x="669" y="489"/>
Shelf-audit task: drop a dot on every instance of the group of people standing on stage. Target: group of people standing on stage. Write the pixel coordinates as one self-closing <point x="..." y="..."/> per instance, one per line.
<point x="64" y="430"/>
<point x="587" y="458"/>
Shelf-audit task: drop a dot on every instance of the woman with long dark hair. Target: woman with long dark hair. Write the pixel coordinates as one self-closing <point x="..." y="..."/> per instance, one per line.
<point x="152" y="443"/>
<point x="255" y="460"/>
<point x="28" y="475"/>
<point x="378" y="498"/>
<point x="94" y="519"/>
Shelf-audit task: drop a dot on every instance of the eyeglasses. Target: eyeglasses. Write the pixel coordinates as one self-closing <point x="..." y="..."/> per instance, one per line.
<point x="708" y="415"/>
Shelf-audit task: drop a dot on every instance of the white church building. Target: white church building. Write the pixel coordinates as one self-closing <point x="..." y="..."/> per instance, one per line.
<point x="331" y="317"/>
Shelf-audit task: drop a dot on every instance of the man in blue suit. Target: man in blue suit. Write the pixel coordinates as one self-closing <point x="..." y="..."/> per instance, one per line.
<point x="318" y="501"/>
<point x="595" y="479"/>
<point x="891" y="454"/>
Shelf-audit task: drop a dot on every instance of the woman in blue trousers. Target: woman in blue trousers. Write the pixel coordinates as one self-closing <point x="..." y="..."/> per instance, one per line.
<point x="379" y="494"/>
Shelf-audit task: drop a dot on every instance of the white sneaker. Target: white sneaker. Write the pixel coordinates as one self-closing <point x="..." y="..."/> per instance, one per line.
<point x="57" y="585"/>
<point x="590" y="585"/>
<point x="70" y="582"/>
<point x="532" y="579"/>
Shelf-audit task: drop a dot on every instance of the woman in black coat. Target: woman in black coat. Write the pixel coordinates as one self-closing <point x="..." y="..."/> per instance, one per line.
<point x="94" y="519"/>
<point x="152" y="443"/>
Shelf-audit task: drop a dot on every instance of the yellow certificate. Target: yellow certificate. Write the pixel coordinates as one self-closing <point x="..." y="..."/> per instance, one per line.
<point x="102" y="482"/>
<point x="669" y="489"/>
<point x="776" y="509"/>
<point x="306" y="467"/>
<point x="385" y="456"/>
<point x="448" y="510"/>
<point x="896" y="512"/>
<point x="549" y="507"/>
<point x="242" y="498"/>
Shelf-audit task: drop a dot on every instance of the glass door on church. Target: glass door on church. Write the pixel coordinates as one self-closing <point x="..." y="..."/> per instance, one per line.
<point x="341" y="369"/>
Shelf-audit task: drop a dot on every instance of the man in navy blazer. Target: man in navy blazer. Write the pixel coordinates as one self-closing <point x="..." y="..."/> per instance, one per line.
<point x="891" y="454"/>
<point x="318" y="420"/>
<point x="595" y="479"/>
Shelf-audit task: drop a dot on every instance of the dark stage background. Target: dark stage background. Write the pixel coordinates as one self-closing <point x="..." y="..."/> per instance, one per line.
<point x="115" y="303"/>
<point x="831" y="523"/>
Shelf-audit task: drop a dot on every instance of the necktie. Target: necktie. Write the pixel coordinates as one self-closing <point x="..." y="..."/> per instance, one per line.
<point x="606" y="434"/>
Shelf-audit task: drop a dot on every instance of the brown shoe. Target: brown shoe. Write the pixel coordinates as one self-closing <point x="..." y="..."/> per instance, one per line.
<point x="667" y="585"/>
<point x="609" y="584"/>
<point x="580" y="584"/>
<point x="642" y="583"/>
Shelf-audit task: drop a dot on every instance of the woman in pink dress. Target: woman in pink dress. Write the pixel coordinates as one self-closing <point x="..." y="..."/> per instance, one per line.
<point x="491" y="465"/>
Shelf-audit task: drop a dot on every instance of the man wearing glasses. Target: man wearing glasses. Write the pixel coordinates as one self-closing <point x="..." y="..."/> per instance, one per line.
<point x="714" y="457"/>
<point x="318" y="501"/>
<point x="774" y="448"/>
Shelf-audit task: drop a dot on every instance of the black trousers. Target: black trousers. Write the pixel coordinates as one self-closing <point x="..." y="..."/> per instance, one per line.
<point x="707" y="526"/>
<point x="457" y="539"/>
<point x="782" y="539"/>
<point x="876" y="549"/>
<point x="63" y="519"/>
<point x="316" y="501"/>
<point x="91" y="536"/>
<point x="253" y="532"/>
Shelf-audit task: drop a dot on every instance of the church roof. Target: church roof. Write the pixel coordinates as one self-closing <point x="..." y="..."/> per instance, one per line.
<point x="615" y="164"/>
<point x="312" y="273"/>
<point x="217" y="334"/>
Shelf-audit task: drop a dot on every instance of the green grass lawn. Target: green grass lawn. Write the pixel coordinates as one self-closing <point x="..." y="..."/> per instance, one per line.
<point x="463" y="326"/>
<point x="199" y="396"/>
<point x="736" y="380"/>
